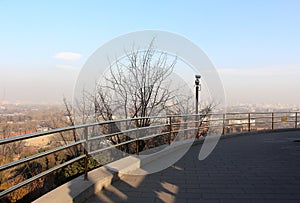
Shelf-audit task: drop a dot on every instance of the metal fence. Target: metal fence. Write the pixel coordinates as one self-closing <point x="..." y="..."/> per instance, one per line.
<point x="98" y="137"/>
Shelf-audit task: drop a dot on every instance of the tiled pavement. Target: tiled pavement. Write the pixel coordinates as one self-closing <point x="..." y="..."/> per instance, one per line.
<point x="254" y="168"/>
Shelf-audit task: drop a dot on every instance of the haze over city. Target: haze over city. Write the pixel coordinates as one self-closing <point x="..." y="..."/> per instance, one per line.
<point x="254" y="45"/>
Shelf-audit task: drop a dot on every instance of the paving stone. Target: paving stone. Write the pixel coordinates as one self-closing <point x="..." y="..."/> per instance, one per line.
<point x="236" y="201"/>
<point x="248" y="196"/>
<point x="202" y="201"/>
<point x="229" y="190"/>
<point x="240" y="169"/>
<point x="217" y="196"/>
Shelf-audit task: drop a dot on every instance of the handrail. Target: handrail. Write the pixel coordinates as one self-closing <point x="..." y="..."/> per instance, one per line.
<point x="228" y="122"/>
<point x="21" y="184"/>
<point x="30" y="158"/>
<point x="59" y="130"/>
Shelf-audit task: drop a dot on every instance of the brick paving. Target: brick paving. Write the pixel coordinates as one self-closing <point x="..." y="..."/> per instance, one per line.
<point x="250" y="168"/>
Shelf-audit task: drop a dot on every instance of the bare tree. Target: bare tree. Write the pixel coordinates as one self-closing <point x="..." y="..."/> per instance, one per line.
<point x="60" y="119"/>
<point x="138" y="85"/>
<point x="11" y="150"/>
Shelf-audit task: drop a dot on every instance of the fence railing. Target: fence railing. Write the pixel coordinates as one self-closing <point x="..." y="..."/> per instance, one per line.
<point x="94" y="138"/>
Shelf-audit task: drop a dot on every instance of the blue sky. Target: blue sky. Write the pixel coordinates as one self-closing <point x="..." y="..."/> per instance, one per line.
<point x="253" y="44"/>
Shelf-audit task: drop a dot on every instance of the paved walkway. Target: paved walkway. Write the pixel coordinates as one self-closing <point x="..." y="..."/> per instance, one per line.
<point x="255" y="168"/>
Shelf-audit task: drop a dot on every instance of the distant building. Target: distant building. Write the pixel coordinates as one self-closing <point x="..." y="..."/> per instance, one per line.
<point x="234" y="126"/>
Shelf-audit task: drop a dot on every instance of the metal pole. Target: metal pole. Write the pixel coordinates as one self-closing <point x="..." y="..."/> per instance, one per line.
<point x="223" y="132"/>
<point x="86" y="153"/>
<point x="185" y="127"/>
<point x="197" y="99"/>
<point x="137" y="143"/>
<point x="170" y="132"/>
<point x="272" y="120"/>
<point x="197" y="82"/>
<point x="249" y="122"/>
<point x="296" y="120"/>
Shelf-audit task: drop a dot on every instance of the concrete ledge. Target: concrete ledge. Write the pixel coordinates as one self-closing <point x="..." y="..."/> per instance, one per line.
<point x="163" y="151"/>
<point x="79" y="190"/>
<point x="161" y="159"/>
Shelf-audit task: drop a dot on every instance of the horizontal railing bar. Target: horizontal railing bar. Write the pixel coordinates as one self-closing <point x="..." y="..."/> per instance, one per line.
<point x="40" y="175"/>
<point x="148" y="127"/>
<point x="58" y="130"/>
<point x="286" y="112"/>
<point x="236" y="124"/>
<point x="236" y="113"/>
<point x="38" y="134"/>
<point x="252" y="113"/>
<point x="127" y="131"/>
<point x="182" y="130"/>
<point x="110" y="147"/>
<point x="101" y="136"/>
<point x="220" y="125"/>
<point x="263" y="117"/>
<point x="242" y="118"/>
<point x="142" y="138"/>
<point x="287" y="121"/>
<point x="30" y="158"/>
<point x="34" y="135"/>
<point x="261" y="122"/>
<point x="178" y="123"/>
<point x="280" y="116"/>
<point x="212" y="120"/>
<point x="174" y="131"/>
<point x="188" y="122"/>
<point x="187" y="115"/>
<point x="155" y="135"/>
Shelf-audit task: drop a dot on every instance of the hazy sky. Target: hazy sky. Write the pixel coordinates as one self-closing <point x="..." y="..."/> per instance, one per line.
<point x="255" y="45"/>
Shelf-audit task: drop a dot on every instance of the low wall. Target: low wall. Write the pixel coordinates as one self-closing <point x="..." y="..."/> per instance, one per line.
<point x="79" y="190"/>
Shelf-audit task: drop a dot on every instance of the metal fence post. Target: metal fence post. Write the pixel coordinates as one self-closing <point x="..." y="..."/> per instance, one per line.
<point x="223" y="131"/>
<point x="296" y="120"/>
<point x="272" y="120"/>
<point x="85" y="131"/>
<point x="249" y="122"/>
<point x="170" y="130"/>
<point x="137" y="143"/>
<point x="185" y="127"/>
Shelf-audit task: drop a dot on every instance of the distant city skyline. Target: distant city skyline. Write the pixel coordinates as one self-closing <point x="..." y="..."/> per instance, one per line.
<point x="254" y="45"/>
